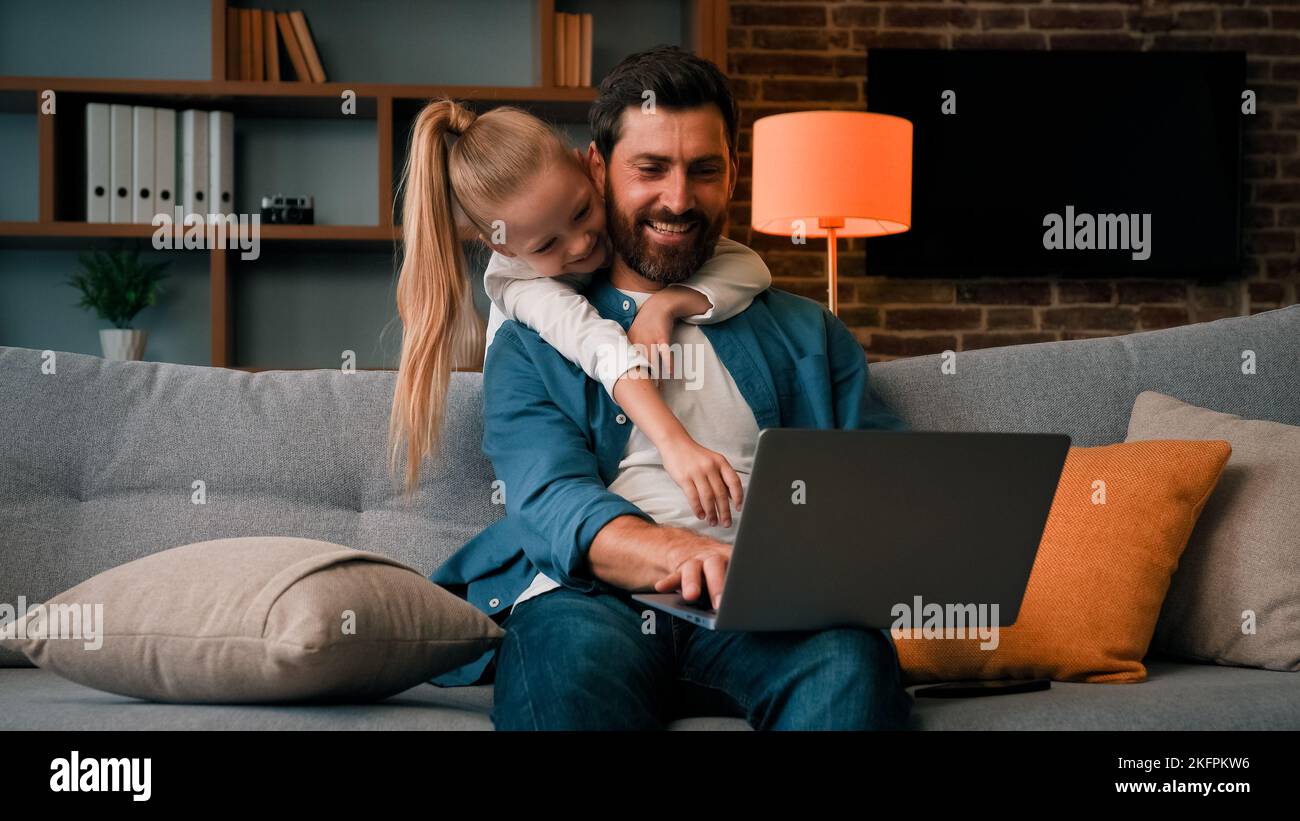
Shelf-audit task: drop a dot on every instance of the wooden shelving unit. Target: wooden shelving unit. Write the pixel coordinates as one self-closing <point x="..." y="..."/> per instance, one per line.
<point x="386" y="103"/>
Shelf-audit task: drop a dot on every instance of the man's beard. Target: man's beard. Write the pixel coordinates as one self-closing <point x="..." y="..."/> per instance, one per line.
<point x="659" y="263"/>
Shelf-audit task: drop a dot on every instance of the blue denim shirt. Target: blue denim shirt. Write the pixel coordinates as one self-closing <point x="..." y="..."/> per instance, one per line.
<point x="555" y="437"/>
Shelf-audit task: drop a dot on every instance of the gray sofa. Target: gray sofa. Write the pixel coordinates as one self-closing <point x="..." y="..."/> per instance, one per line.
<point x="98" y="460"/>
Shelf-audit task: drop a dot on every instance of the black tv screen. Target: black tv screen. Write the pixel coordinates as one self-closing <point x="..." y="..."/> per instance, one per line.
<point x="1154" y="138"/>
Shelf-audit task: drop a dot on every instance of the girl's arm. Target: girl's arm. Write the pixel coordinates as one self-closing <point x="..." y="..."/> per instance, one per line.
<point x="729" y="280"/>
<point x="570" y="324"/>
<point x="564" y="318"/>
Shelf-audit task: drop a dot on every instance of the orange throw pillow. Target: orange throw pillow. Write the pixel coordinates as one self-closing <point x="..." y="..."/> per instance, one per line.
<point x="1101" y="572"/>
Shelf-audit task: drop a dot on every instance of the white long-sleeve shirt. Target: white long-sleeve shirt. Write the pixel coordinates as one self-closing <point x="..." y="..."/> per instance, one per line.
<point x="552" y="307"/>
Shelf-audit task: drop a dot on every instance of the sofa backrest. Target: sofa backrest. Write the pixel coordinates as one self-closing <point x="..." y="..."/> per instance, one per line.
<point x="99" y="459"/>
<point x="99" y="462"/>
<point x="1086" y="388"/>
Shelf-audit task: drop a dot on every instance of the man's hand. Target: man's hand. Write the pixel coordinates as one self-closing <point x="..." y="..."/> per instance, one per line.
<point x="695" y="565"/>
<point x="637" y="555"/>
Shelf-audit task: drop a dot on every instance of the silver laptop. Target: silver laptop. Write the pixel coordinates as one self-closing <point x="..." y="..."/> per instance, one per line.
<point x="840" y="527"/>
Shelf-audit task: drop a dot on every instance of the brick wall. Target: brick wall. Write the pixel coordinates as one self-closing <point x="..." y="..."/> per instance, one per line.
<point x="788" y="56"/>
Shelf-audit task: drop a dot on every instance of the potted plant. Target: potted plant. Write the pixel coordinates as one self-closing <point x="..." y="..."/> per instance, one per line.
<point x="117" y="285"/>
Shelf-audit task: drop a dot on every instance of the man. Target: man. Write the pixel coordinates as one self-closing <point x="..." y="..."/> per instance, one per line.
<point x="591" y="514"/>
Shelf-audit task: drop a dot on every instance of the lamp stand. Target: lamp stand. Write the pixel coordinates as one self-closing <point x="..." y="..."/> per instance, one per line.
<point x="832" y="261"/>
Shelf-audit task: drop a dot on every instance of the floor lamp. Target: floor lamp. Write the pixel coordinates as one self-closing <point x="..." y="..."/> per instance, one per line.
<point x="832" y="174"/>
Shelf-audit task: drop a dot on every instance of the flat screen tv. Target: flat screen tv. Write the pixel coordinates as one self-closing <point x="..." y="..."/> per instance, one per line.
<point x="1008" y="145"/>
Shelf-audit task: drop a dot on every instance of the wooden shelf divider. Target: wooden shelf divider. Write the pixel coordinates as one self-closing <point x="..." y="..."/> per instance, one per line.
<point x="47" y="167"/>
<point x="221" y="313"/>
<point x="384" y="134"/>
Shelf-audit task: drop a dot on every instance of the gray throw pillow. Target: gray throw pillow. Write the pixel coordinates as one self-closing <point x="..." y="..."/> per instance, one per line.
<point x="1235" y="597"/>
<point x="254" y="619"/>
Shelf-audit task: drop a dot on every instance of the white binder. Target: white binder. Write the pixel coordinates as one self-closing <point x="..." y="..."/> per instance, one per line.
<point x="98" y="179"/>
<point x="194" y="161"/>
<point x="120" y="182"/>
<point x="221" y="161"/>
<point x="164" y="166"/>
<point x="142" y="159"/>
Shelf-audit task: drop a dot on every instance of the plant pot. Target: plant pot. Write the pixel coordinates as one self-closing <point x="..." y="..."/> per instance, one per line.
<point x="122" y="343"/>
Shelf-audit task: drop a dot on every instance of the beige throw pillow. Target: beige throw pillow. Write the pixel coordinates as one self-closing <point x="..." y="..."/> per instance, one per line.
<point x="255" y="619"/>
<point x="1235" y="597"/>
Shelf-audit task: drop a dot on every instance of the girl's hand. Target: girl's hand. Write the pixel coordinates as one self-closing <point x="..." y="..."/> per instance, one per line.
<point x="705" y="476"/>
<point x="653" y="325"/>
<point x="652" y="328"/>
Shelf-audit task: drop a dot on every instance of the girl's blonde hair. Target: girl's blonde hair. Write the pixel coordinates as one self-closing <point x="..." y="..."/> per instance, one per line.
<point x="490" y="158"/>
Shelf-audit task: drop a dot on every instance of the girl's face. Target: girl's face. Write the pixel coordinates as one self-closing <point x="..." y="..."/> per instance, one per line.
<point x="556" y="225"/>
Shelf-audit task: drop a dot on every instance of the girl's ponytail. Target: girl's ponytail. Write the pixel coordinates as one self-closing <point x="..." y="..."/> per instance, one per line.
<point x="493" y="158"/>
<point x="440" y="329"/>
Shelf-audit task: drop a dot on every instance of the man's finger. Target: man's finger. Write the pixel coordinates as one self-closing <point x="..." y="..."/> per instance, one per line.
<point x="669" y="583"/>
<point x="691" y="580"/>
<point x="715" y="574"/>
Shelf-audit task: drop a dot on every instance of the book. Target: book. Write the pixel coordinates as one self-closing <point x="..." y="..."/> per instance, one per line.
<point x="255" y="42"/>
<point x="584" y="51"/>
<point x="194" y="161"/>
<point x="98" y="160"/>
<point x="232" y="44"/>
<point x="291" y="47"/>
<point x="119" y="168"/>
<point x="272" y="47"/>
<point x="221" y="162"/>
<point x="561" y="58"/>
<point x="142" y="163"/>
<point x="299" y="21"/>
<point x="245" y="44"/>
<point x="573" y="42"/>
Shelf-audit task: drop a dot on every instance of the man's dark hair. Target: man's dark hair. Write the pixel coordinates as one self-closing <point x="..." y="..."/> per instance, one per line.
<point x="678" y="79"/>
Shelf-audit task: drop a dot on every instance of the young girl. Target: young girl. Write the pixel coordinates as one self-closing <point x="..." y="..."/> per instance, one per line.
<point x="508" y="160"/>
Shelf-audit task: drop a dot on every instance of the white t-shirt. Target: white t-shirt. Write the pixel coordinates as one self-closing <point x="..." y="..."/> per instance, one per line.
<point x="714" y="412"/>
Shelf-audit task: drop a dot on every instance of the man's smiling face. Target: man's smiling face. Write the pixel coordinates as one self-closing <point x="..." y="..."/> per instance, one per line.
<point x="667" y="184"/>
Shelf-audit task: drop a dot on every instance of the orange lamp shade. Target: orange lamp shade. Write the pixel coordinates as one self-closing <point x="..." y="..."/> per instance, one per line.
<point x="850" y="171"/>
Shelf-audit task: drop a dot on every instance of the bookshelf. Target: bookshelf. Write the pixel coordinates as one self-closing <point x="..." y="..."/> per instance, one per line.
<point x="387" y="106"/>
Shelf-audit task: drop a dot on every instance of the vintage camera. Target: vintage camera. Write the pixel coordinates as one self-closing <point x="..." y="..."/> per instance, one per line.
<point x="282" y="210"/>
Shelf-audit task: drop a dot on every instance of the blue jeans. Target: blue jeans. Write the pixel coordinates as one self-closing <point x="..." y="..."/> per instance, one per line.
<point x="577" y="661"/>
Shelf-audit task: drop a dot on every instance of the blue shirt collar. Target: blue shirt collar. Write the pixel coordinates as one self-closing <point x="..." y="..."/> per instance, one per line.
<point x="610" y="302"/>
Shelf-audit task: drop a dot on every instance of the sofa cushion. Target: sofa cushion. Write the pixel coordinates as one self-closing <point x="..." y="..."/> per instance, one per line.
<point x="1118" y="523"/>
<point x="1234" y="598"/>
<point x="255" y="619"/>
<point x="1175" y="696"/>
